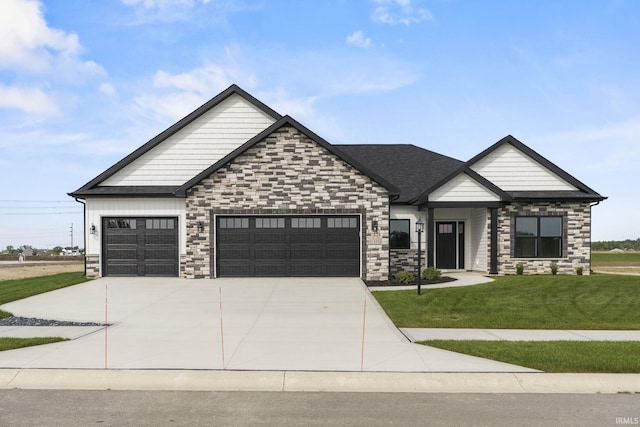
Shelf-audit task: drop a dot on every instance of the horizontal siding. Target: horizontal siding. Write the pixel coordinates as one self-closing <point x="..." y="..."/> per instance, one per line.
<point x="197" y="146"/>
<point x="478" y="240"/>
<point x="462" y="189"/>
<point x="512" y="170"/>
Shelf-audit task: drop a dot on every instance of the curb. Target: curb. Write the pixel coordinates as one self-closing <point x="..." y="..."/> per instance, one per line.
<point x="298" y="381"/>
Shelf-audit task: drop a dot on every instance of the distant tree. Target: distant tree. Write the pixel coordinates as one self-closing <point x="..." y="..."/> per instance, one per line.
<point x="56" y="250"/>
<point x="10" y="249"/>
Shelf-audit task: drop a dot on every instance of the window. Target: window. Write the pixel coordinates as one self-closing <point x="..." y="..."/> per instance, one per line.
<point x="538" y="237"/>
<point x="234" y="222"/>
<point x="305" y="222"/>
<point x="121" y="223"/>
<point x="160" y="224"/>
<point x="399" y="234"/>
<point x="269" y="222"/>
<point x="339" y="222"/>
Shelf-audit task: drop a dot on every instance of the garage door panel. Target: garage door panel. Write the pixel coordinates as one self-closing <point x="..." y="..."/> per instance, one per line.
<point x="270" y="253"/>
<point x="270" y="269"/>
<point x="123" y="254"/>
<point x="308" y="269"/>
<point x="129" y="238"/>
<point x="159" y="269"/>
<point x="234" y="237"/>
<point x="270" y="238"/>
<point x="235" y="253"/>
<point x="337" y="253"/>
<point x="123" y="269"/>
<point x="302" y="252"/>
<point x="284" y="246"/>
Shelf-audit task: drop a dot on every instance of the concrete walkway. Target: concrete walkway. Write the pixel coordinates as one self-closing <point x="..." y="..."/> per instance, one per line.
<point x="279" y="324"/>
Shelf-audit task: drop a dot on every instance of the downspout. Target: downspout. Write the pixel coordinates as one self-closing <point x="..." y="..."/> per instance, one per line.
<point x="84" y="231"/>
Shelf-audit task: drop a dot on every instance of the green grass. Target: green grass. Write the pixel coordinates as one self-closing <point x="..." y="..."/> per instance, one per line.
<point x="13" y="290"/>
<point x="554" y="356"/>
<point x="615" y="259"/>
<point x="13" y="343"/>
<point x="598" y="301"/>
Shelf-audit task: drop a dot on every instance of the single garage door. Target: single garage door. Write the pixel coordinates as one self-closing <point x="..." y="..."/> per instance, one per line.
<point x="140" y="246"/>
<point x="288" y="246"/>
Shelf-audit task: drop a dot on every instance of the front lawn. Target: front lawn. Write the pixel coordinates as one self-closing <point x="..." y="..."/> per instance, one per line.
<point x="598" y="301"/>
<point x="554" y="356"/>
<point x="13" y="290"/>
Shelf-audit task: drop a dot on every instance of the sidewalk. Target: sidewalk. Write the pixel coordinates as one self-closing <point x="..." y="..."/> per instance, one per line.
<point x="425" y="334"/>
<point x="296" y="381"/>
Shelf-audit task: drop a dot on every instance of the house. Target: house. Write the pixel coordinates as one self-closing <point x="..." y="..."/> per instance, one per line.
<point x="236" y="189"/>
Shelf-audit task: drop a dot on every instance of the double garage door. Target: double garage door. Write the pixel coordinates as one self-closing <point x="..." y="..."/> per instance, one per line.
<point x="140" y="246"/>
<point x="288" y="246"/>
<point x="245" y="246"/>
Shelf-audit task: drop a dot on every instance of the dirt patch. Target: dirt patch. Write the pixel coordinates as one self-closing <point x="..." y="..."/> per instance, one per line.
<point x="21" y="271"/>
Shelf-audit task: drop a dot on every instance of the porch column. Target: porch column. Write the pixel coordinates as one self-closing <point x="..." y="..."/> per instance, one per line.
<point x="431" y="241"/>
<point x="493" y="262"/>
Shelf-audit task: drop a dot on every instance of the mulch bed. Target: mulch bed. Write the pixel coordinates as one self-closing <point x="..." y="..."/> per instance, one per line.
<point x="443" y="279"/>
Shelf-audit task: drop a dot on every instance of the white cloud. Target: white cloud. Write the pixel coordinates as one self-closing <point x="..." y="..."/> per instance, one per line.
<point x="107" y="89"/>
<point x="202" y="80"/>
<point x="28" y="43"/>
<point x="399" y="12"/>
<point x="161" y="4"/>
<point x="358" y="39"/>
<point x="29" y="100"/>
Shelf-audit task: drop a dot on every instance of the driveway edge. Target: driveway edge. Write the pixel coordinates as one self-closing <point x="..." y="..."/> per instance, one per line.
<point x="298" y="381"/>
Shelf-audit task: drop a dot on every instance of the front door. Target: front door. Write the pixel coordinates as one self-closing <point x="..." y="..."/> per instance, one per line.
<point x="450" y="244"/>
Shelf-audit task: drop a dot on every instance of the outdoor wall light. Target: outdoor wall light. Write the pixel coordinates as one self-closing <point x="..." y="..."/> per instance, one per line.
<point x="92" y="230"/>
<point x="374" y="225"/>
<point x="419" y="226"/>
<point x="200" y="226"/>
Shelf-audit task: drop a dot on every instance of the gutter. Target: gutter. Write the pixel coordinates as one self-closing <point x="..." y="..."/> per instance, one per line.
<point x="84" y="231"/>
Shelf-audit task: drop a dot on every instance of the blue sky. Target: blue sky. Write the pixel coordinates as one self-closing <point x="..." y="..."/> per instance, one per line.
<point x="82" y="84"/>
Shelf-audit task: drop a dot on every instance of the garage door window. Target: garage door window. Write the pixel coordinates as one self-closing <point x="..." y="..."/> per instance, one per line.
<point x="305" y="222"/>
<point x="339" y="222"/>
<point x="234" y="223"/>
<point x="160" y="224"/>
<point x="269" y="222"/>
<point x="121" y="223"/>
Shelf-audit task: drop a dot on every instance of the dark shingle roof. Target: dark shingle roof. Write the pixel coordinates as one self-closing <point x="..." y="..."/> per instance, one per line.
<point x="123" y="191"/>
<point x="411" y="169"/>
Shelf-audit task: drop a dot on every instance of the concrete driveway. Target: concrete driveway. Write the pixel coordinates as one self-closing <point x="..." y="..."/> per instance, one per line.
<point x="306" y="324"/>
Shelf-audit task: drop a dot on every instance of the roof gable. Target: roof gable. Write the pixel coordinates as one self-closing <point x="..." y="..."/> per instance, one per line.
<point x="463" y="185"/>
<point x="285" y="121"/>
<point x="154" y="153"/>
<point x="463" y="188"/>
<point x="514" y="167"/>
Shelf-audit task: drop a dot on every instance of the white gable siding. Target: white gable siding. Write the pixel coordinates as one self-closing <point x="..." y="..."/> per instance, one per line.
<point x="512" y="170"/>
<point x="197" y="146"/>
<point x="462" y="189"/>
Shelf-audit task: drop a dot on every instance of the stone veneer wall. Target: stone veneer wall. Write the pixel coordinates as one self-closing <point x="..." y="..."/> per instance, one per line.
<point x="576" y="238"/>
<point x="405" y="260"/>
<point x="92" y="264"/>
<point x="286" y="173"/>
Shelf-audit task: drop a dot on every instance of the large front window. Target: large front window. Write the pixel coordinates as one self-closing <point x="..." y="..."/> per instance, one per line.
<point x="399" y="234"/>
<point x="538" y="237"/>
